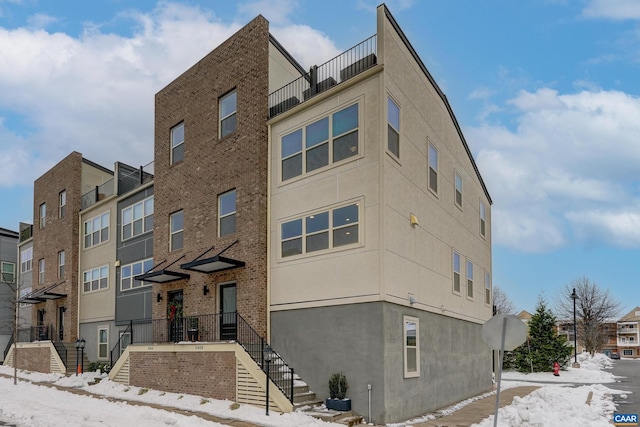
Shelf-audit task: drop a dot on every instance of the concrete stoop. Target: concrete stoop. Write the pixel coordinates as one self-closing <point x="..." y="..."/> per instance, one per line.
<point x="305" y="401"/>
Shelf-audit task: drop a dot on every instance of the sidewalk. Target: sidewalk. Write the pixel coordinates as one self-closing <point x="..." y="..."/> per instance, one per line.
<point x="477" y="411"/>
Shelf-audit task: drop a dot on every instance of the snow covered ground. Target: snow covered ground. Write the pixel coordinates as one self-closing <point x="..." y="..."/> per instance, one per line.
<point x="560" y="401"/>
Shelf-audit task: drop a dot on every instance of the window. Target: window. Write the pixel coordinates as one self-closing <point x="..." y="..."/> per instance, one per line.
<point x="393" y="118"/>
<point x="320" y="231"/>
<point x="62" y="203"/>
<point x="177" y="143"/>
<point x="483" y="218"/>
<point x="456" y="272"/>
<point x="411" y="347"/>
<point x="314" y="146"/>
<point x="228" y="119"/>
<point x="43" y="215"/>
<point x="433" y="168"/>
<point x="129" y="271"/>
<point x="176" y="221"/>
<point x="26" y="260"/>
<point x="8" y="272"/>
<point x="60" y="264"/>
<point x="487" y="288"/>
<point x="137" y="218"/>
<point x="227" y="213"/>
<point x="458" y="199"/>
<point x="627" y="352"/>
<point x="103" y="342"/>
<point x="469" y="279"/>
<point x="96" y="279"/>
<point x="41" y="271"/>
<point x="96" y="230"/>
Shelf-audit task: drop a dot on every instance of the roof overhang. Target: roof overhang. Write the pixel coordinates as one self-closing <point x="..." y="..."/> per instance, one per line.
<point x="42" y="295"/>
<point x="162" y="276"/>
<point x="212" y="265"/>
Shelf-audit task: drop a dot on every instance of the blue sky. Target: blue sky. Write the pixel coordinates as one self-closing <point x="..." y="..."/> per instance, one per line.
<point x="546" y="91"/>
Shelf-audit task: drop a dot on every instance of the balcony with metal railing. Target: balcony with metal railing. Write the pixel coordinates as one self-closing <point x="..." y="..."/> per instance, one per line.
<point x="628" y="342"/>
<point x="98" y="193"/>
<point x="323" y="77"/>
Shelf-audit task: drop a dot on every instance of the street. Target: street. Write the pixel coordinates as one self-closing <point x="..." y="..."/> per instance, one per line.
<point x="630" y="369"/>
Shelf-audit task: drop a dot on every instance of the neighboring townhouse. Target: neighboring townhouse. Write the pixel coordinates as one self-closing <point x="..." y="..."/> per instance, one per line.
<point x="628" y="335"/>
<point x="380" y="237"/>
<point x="8" y="285"/>
<point x="25" y="278"/>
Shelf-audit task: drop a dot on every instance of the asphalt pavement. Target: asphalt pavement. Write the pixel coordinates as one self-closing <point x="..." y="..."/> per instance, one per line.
<point x="629" y="370"/>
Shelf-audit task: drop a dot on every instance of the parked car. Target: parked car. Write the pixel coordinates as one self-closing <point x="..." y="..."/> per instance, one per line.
<point x="615" y="356"/>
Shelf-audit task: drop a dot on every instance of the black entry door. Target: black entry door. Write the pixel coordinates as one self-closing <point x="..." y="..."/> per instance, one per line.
<point x="228" y="312"/>
<point x="61" y="311"/>
<point x="174" y="315"/>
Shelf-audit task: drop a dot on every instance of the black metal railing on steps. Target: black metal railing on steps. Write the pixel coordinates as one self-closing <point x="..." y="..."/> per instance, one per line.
<point x="8" y="347"/>
<point x="208" y="328"/>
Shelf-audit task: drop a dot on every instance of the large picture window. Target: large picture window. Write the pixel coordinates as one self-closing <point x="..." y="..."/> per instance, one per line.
<point x="411" y="347"/>
<point x="96" y="279"/>
<point x="129" y="271"/>
<point x="227" y="213"/>
<point x="137" y="219"/>
<point x="320" y="231"/>
<point x="96" y="230"/>
<point x="323" y="142"/>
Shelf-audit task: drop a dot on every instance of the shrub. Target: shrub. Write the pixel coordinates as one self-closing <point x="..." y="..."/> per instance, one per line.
<point x="338" y="386"/>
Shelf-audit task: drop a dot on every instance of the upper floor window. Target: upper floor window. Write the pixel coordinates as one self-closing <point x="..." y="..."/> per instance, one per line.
<point x="137" y="218"/>
<point x="41" y="271"/>
<point x="96" y="230"/>
<point x="470" y="279"/>
<point x="62" y="203"/>
<point x="228" y="120"/>
<point x="456" y="272"/>
<point x="26" y="260"/>
<point x="129" y="271"/>
<point x="487" y="288"/>
<point x="328" y="140"/>
<point x="96" y="279"/>
<point x="322" y="230"/>
<point x="458" y="195"/>
<point x="433" y="168"/>
<point x="483" y="220"/>
<point x="60" y="264"/>
<point x="7" y="272"/>
<point x="411" y="347"/>
<point x="177" y="143"/>
<point x="227" y="213"/>
<point x="176" y="224"/>
<point x="393" y="118"/>
<point x="43" y="214"/>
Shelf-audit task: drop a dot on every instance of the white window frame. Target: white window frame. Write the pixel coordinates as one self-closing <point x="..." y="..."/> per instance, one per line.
<point x="173" y="232"/>
<point x="458" y="192"/>
<point x="331" y="229"/>
<point x="234" y="92"/>
<point x="147" y="211"/>
<point x="3" y="274"/>
<point x="89" y="232"/>
<point x="43" y="215"/>
<point x="483" y="219"/>
<point x="104" y="345"/>
<point x="391" y="103"/>
<point x="433" y="171"/>
<point x="41" y="267"/>
<point x="26" y="260"/>
<point x="487" y="288"/>
<point x="456" y="273"/>
<point x="627" y="352"/>
<point x="176" y="144"/>
<point x="61" y="262"/>
<point x="469" y="279"/>
<point x="224" y="215"/>
<point x="134" y="284"/>
<point x="408" y="349"/>
<point x="100" y="276"/>
<point x="62" y="203"/>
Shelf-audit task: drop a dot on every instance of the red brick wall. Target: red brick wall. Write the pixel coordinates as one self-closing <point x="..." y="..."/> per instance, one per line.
<point x="204" y="374"/>
<point x="33" y="359"/>
<point x="212" y="166"/>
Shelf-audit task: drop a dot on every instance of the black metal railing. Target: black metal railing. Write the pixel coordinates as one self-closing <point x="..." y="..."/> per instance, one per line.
<point x="8" y="347"/>
<point x="208" y="328"/>
<point x="59" y="346"/>
<point x="40" y="333"/>
<point x="320" y="78"/>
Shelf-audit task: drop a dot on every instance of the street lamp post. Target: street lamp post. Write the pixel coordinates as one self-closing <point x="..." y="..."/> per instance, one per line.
<point x="267" y="352"/>
<point x="80" y="361"/>
<point x="575" y="336"/>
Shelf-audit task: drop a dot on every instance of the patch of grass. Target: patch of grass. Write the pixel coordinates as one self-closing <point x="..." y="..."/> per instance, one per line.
<point x="142" y="391"/>
<point x="126" y="389"/>
<point x="234" y="406"/>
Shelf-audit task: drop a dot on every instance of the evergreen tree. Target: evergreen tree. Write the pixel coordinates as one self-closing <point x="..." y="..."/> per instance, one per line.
<point x="543" y="346"/>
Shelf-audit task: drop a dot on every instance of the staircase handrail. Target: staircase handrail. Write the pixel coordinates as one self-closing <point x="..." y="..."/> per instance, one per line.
<point x="116" y="348"/>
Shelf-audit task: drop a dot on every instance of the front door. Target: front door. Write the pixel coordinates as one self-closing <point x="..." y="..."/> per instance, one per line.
<point x="228" y="312"/>
<point x="41" y="329"/>
<point x="61" y="311"/>
<point x="174" y="314"/>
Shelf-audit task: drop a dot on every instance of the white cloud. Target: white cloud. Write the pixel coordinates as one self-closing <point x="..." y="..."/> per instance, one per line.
<point x="40" y="21"/>
<point x="297" y="39"/>
<point x="571" y="161"/>
<point x="612" y="9"/>
<point x="276" y="11"/>
<point x="481" y="93"/>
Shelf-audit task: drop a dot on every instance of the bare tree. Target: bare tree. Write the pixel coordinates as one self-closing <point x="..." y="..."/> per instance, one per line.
<point x="502" y="303"/>
<point x="594" y="306"/>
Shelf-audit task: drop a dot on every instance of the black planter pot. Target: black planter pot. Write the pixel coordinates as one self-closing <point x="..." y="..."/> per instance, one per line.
<point x="338" y="404"/>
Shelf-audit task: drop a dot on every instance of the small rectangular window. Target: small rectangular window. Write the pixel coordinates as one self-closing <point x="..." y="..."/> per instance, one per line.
<point x="26" y="260"/>
<point x="393" y="119"/>
<point x="228" y="120"/>
<point x="483" y="219"/>
<point x="96" y="230"/>
<point x="227" y="213"/>
<point x="137" y="219"/>
<point x="458" y="195"/>
<point x="7" y="272"/>
<point x="129" y="271"/>
<point x="96" y="279"/>
<point x="411" y="347"/>
<point x="62" y="203"/>
<point x="176" y="223"/>
<point x="433" y="168"/>
<point x="103" y="343"/>
<point x="456" y="272"/>
<point x="470" y="279"/>
<point x="43" y="215"/>
<point x="61" y="264"/>
<point x="487" y="288"/>
<point x="177" y="143"/>
<point x="41" y="271"/>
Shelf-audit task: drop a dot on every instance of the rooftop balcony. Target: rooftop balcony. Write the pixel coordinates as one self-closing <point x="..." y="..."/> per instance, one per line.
<point x="320" y="78"/>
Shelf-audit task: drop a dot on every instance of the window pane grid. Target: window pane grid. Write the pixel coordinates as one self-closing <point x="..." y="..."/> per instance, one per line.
<point x="469" y="279"/>
<point x="227" y="213"/>
<point x="137" y="219"/>
<point x="95" y="279"/>
<point x="129" y="271"/>
<point x="176" y="231"/>
<point x="96" y="230"/>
